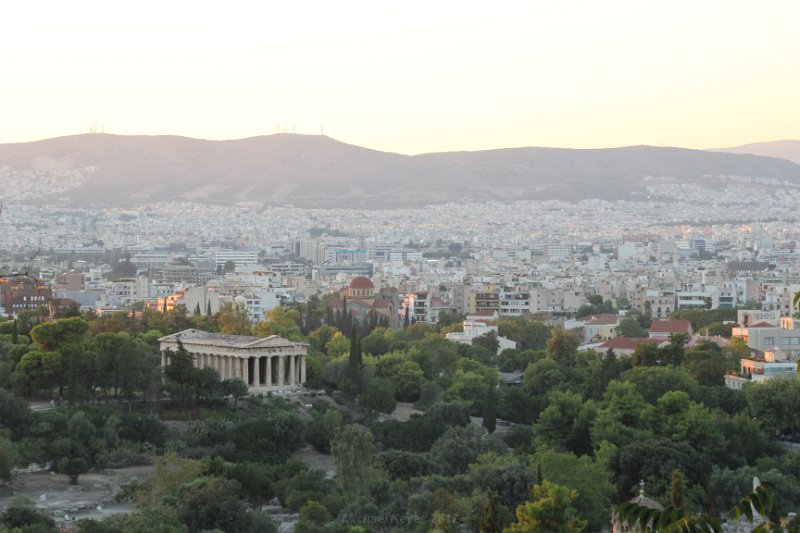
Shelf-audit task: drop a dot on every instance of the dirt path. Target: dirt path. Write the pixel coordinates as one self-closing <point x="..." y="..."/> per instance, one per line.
<point x="92" y="497"/>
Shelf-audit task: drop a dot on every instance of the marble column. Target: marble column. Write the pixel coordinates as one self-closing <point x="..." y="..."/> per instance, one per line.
<point x="163" y="360"/>
<point x="302" y="369"/>
<point x="245" y="371"/>
<point x="292" y="368"/>
<point x="268" y="359"/>
<point x="257" y="372"/>
<point x="281" y="371"/>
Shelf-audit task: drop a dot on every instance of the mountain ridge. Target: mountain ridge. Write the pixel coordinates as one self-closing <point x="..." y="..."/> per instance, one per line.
<point x="319" y="171"/>
<point x="788" y="149"/>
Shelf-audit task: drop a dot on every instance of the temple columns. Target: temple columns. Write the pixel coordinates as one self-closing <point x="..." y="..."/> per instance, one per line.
<point x="302" y="369"/>
<point x="281" y="371"/>
<point x="292" y="368"/>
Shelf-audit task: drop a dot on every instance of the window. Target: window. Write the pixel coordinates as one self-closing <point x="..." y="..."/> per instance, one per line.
<point x="769" y="341"/>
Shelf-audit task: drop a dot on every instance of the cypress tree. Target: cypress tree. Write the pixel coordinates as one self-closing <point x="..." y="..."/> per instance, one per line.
<point x="15" y="332"/>
<point x="197" y="309"/>
<point x="490" y="409"/>
<point x="208" y="307"/>
<point x="676" y="492"/>
<point x="405" y="319"/>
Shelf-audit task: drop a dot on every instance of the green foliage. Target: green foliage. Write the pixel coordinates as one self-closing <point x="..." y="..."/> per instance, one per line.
<point x="281" y="322"/>
<point x="232" y="319"/>
<point x="590" y="479"/>
<point x="322" y="427"/>
<point x="652" y="382"/>
<point x="404" y="465"/>
<point x="22" y="514"/>
<point x="629" y="327"/>
<point x="352" y="449"/>
<point x="550" y="509"/>
<point x="562" y="346"/>
<point x="566" y="423"/>
<point x="490" y="409"/>
<point x="270" y="437"/>
<point x="775" y="405"/>
<point x="212" y="503"/>
<point x="528" y="334"/>
<point x="454" y="451"/>
<point x="707" y="363"/>
<point x="406" y="375"/>
<point x="378" y="396"/>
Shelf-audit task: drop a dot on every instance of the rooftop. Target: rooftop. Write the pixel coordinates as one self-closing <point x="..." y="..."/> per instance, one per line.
<point x="199" y="337"/>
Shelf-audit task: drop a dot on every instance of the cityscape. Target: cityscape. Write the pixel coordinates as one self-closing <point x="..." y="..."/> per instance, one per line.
<point x="356" y="267"/>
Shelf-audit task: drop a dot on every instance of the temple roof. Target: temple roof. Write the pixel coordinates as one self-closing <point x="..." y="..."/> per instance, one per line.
<point x="199" y="337"/>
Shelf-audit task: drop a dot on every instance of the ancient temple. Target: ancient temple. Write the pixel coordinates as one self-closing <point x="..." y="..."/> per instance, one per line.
<point x="264" y="363"/>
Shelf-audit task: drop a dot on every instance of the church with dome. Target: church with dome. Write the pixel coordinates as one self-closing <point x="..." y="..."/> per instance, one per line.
<point x="361" y="301"/>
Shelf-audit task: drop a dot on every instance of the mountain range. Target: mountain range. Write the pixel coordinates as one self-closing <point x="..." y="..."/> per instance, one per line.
<point x="317" y="171"/>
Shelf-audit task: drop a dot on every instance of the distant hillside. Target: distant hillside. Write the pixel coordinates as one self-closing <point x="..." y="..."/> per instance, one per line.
<point x="317" y="171"/>
<point x="782" y="149"/>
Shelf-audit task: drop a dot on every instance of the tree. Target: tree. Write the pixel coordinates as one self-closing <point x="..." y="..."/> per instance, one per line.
<point x="591" y="479"/>
<point x="65" y="336"/>
<point x="180" y="371"/>
<point x="459" y="447"/>
<point x="629" y="327"/>
<point x="352" y="450"/>
<point x="211" y="503"/>
<point x="706" y="363"/>
<point x="488" y="341"/>
<point x="281" y="322"/>
<point x="378" y="396"/>
<point x="490" y="409"/>
<point x="320" y="337"/>
<point x="235" y="387"/>
<point x="405" y="373"/>
<point x="562" y="346"/>
<point x="233" y="320"/>
<point x="550" y="509"/>
<point x="9" y="456"/>
<point x="490" y="518"/>
<point x="676" y="489"/>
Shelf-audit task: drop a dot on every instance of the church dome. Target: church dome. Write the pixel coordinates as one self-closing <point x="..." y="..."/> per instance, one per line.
<point x="361" y="283"/>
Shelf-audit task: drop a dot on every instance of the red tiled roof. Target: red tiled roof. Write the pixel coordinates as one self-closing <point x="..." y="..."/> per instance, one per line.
<point x="763" y="325"/>
<point x="361" y="283"/>
<point x="670" y="326"/>
<point x="484" y="312"/>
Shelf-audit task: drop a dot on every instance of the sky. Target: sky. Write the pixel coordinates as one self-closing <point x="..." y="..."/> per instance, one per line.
<point x="408" y="77"/>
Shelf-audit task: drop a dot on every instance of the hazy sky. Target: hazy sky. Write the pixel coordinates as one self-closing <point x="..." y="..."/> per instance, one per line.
<point x="406" y="76"/>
